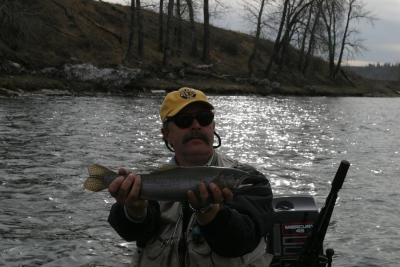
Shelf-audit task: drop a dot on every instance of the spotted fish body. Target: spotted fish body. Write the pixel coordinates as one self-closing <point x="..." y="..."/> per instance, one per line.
<point x="169" y="184"/>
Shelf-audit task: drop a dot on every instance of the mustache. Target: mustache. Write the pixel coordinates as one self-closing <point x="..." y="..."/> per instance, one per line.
<point x="195" y="135"/>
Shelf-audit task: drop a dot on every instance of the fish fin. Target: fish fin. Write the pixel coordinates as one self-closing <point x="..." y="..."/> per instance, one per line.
<point x="95" y="182"/>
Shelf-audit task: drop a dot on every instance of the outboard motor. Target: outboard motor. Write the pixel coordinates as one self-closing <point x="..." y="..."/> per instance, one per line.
<point x="294" y="217"/>
<point x="298" y="229"/>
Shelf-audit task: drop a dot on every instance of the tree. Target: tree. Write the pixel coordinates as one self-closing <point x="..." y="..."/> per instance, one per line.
<point x="256" y="10"/>
<point x="275" y="48"/>
<point x="167" y="41"/>
<point x="355" y="12"/>
<point x="135" y="25"/>
<point x="140" y="28"/>
<point x="178" y="29"/>
<point x="313" y="35"/>
<point x="339" y="17"/>
<point x="206" y="32"/>
<point x="291" y="13"/>
<point x="193" y="34"/>
<point x="161" y="26"/>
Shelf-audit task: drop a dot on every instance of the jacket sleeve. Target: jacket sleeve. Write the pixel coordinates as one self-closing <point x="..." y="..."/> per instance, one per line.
<point x="239" y="226"/>
<point x="131" y="231"/>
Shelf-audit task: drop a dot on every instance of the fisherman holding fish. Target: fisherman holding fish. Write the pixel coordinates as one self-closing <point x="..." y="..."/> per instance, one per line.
<point x="212" y="224"/>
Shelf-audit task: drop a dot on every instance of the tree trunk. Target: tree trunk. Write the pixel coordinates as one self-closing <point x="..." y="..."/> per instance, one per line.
<point x="178" y="28"/>
<point x="256" y="40"/>
<point x="206" y="37"/>
<point x="304" y="38"/>
<point x="132" y="26"/>
<point x="328" y="17"/>
<point x="275" y="48"/>
<point x="193" y="50"/>
<point x="140" y="28"/>
<point x="161" y="26"/>
<point x="292" y="20"/>
<point x="344" y="38"/>
<point x="167" y="44"/>
<point x="311" y="43"/>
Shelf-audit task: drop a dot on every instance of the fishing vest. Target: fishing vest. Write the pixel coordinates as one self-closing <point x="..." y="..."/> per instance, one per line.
<point x="163" y="250"/>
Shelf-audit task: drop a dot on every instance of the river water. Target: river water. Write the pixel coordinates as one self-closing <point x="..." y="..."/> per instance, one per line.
<point x="46" y="143"/>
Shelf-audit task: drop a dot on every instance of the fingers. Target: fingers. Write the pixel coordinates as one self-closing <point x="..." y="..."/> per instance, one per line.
<point x="216" y="192"/>
<point x="212" y="194"/>
<point x="227" y="193"/>
<point x="115" y="185"/>
<point x="198" y="200"/>
<point x="135" y="189"/>
<point x="123" y="172"/>
<point x="125" y="189"/>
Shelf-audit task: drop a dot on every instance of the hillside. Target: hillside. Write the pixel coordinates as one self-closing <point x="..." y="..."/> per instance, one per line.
<point x="52" y="34"/>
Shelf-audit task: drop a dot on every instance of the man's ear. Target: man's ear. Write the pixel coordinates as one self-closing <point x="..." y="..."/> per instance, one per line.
<point x="165" y="133"/>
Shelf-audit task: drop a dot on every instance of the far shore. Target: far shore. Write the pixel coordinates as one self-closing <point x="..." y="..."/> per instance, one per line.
<point x="28" y="84"/>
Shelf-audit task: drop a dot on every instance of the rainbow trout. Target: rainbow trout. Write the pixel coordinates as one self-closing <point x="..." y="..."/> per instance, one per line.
<point x="169" y="184"/>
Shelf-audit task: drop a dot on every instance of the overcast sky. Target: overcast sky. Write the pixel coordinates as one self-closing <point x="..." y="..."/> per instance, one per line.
<point x="382" y="39"/>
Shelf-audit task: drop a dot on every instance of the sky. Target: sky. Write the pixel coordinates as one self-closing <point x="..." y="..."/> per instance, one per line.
<point x="381" y="39"/>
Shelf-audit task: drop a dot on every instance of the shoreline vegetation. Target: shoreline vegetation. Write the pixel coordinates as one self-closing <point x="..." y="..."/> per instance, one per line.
<point x="79" y="48"/>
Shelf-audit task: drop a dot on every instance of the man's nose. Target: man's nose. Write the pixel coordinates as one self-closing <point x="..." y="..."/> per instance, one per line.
<point x="195" y="124"/>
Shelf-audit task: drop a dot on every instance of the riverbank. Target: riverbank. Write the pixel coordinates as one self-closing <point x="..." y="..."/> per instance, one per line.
<point x="80" y="48"/>
<point x="39" y="84"/>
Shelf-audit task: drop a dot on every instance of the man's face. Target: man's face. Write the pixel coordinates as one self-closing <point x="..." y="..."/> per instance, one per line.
<point x="193" y="143"/>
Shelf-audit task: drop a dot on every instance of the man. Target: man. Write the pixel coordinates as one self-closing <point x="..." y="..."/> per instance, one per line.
<point x="228" y="232"/>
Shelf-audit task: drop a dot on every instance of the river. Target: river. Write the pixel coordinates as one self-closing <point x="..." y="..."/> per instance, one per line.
<point x="46" y="143"/>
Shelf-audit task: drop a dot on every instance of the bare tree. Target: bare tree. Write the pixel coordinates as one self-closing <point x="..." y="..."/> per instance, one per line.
<point x="140" y="28"/>
<point x="135" y="25"/>
<point x="312" y="39"/>
<point x="132" y="26"/>
<point x="167" y="41"/>
<point x="355" y="12"/>
<point x="255" y="10"/>
<point x="178" y="28"/>
<point x="304" y="35"/>
<point x="276" y="47"/>
<point x="297" y="9"/>
<point x="292" y="11"/>
<point x="333" y="10"/>
<point x="161" y="26"/>
<point x="193" y="50"/>
<point x="206" y="32"/>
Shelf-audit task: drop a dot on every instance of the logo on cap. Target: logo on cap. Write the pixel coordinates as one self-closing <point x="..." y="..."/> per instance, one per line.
<point x="187" y="93"/>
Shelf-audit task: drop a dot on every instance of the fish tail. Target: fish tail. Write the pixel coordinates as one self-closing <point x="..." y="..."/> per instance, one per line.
<point x="97" y="178"/>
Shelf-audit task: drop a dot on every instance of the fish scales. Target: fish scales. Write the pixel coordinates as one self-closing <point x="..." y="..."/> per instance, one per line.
<point x="169" y="184"/>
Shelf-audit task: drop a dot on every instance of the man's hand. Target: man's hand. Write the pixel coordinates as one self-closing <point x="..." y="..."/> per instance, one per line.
<point x="125" y="189"/>
<point x="217" y="198"/>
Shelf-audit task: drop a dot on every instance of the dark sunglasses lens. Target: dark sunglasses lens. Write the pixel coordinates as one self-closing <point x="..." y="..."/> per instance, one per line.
<point x="205" y="118"/>
<point x="183" y="121"/>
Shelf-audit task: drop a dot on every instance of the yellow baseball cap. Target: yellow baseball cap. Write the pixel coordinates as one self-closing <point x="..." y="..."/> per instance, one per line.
<point x="175" y="101"/>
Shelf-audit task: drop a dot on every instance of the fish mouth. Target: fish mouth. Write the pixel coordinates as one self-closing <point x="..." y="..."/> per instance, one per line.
<point x="195" y="136"/>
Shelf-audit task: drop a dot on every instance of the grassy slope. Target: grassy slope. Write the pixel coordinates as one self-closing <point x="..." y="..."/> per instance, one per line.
<point x="77" y="31"/>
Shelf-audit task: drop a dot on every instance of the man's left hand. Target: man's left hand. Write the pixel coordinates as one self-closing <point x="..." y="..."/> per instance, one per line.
<point x="217" y="197"/>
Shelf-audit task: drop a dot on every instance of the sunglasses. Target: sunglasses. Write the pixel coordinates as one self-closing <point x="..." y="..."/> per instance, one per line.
<point x="186" y="120"/>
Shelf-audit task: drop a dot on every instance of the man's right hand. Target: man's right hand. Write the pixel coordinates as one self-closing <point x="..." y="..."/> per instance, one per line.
<point x="126" y="189"/>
